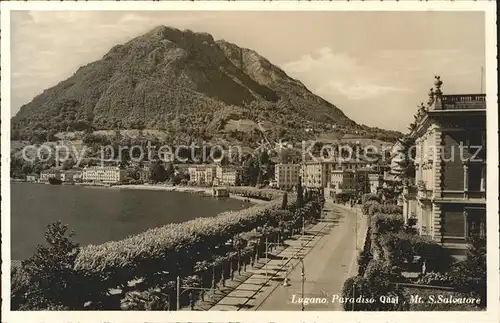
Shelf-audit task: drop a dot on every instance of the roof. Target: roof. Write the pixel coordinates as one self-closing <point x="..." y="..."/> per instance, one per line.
<point x="73" y="170"/>
<point x="50" y="170"/>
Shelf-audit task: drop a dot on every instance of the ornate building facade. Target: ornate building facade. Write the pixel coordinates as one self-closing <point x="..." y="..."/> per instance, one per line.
<point x="451" y="166"/>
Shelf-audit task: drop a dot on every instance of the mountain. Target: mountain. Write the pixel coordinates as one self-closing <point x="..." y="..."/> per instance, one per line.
<point x="186" y="85"/>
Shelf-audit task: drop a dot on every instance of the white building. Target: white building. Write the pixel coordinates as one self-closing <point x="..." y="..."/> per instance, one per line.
<point x="225" y="176"/>
<point x="286" y="176"/>
<point x="47" y="174"/>
<point x="202" y="174"/>
<point x="32" y="178"/>
<point x="106" y="174"/>
<point x="315" y="174"/>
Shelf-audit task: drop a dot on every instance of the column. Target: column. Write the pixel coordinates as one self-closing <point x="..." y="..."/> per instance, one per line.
<point x="467" y="226"/>
<point x="437" y="222"/>
<point x="466" y="180"/>
<point x="438" y="144"/>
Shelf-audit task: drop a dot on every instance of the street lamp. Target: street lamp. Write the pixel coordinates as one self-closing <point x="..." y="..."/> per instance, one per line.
<point x="356" y="228"/>
<point x="267" y="251"/>
<point x="286" y="282"/>
<point x="303" y="225"/>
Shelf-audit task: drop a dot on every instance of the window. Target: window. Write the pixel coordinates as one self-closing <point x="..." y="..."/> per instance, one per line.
<point x="476" y="221"/>
<point x="476" y="144"/>
<point x="475" y="180"/>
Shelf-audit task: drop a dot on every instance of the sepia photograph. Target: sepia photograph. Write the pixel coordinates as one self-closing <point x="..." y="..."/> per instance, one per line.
<point x="160" y="161"/>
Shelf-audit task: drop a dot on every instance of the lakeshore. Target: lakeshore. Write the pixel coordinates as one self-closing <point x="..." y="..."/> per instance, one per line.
<point x="101" y="214"/>
<point x="185" y="189"/>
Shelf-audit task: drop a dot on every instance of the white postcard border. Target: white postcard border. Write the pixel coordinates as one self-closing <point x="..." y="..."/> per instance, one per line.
<point x="491" y="315"/>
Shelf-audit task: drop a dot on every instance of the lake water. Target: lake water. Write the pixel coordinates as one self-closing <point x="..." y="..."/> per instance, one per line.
<point x="97" y="215"/>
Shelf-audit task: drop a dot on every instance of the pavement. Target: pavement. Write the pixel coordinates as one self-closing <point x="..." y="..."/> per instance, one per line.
<point x="326" y="267"/>
<point x="328" y="250"/>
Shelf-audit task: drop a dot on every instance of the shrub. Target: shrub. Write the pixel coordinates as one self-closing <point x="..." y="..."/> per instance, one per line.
<point x="345" y="197"/>
<point x="400" y="248"/>
<point x="470" y="274"/>
<point x="364" y="258"/>
<point x="391" y="209"/>
<point x="370" y="197"/>
<point x="435" y="256"/>
<point x="148" y="300"/>
<point x="370" y="207"/>
<point x="437" y="279"/>
<point x="384" y="223"/>
<point x="375" y="287"/>
<point x="383" y="272"/>
<point x="397" y="248"/>
<point x="20" y="282"/>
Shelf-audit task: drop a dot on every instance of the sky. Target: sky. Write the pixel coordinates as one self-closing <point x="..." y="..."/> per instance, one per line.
<point x="375" y="66"/>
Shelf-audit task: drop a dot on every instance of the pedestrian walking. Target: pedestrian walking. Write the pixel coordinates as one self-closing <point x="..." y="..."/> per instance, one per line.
<point x="191" y="301"/>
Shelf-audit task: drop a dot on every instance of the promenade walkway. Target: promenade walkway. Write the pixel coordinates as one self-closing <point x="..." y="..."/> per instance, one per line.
<point x="326" y="266"/>
<point x="259" y="290"/>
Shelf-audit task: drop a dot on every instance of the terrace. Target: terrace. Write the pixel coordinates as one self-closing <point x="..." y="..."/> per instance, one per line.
<point x="463" y="101"/>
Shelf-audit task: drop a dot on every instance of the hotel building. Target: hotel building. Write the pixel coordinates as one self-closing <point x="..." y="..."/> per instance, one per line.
<point x="341" y="181"/>
<point x="225" y="176"/>
<point x="286" y="176"/>
<point x="202" y="174"/>
<point x="315" y="175"/>
<point x="451" y="167"/>
<point x="106" y="174"/>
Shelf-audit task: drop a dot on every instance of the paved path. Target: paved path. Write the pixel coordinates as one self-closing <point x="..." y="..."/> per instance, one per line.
<point x="263" y="290"/>
<point x="327" y="266"/>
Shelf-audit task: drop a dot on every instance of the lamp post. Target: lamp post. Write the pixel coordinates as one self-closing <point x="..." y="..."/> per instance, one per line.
<point x="356" y="229"/>
<point x="302" y="278"/>
<point x="303" y="226"/>
<point x="353" y="295"/>
<point x="267" y="251"/>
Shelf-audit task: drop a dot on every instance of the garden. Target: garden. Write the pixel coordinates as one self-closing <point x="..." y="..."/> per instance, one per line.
<point x="393" y="251"/>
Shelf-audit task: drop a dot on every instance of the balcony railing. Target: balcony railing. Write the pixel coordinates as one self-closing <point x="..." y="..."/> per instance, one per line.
<point x="464" y="101"/>
<point x="424" y="194"/>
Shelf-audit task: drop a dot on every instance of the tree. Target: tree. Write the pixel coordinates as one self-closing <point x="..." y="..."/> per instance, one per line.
<point x="471" y="273"/>
<point x="407" y="162"/>
<point x="284" y="204"/>
<point x="68" y="164"/>
<point x="249" y="172"/>
<point x="169" y="171"/>
<point x="158" y="173"/>
<point x="300" y="194"/>
<point x="53" y="280"/>
<point x="27" y="169"/>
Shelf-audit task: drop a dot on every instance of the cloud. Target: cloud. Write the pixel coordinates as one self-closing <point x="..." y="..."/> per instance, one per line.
<point x="361" y="90"/>
<point x="322" y="58"/>
<point x="327" y="72"/>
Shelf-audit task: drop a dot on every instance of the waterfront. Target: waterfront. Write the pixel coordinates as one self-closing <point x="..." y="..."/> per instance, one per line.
<point x="97" y="215"/>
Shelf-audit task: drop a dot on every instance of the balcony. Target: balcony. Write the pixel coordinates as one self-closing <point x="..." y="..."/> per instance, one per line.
<point x="424" y="194"/>
<point x="422" y="191"/>
<point x="464" y="101"/>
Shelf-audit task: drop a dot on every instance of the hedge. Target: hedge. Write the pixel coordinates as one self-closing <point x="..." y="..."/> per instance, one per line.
<point x="256" y="193"/>
<point x="370" y="197"/>
<point x="383" y="223"/>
